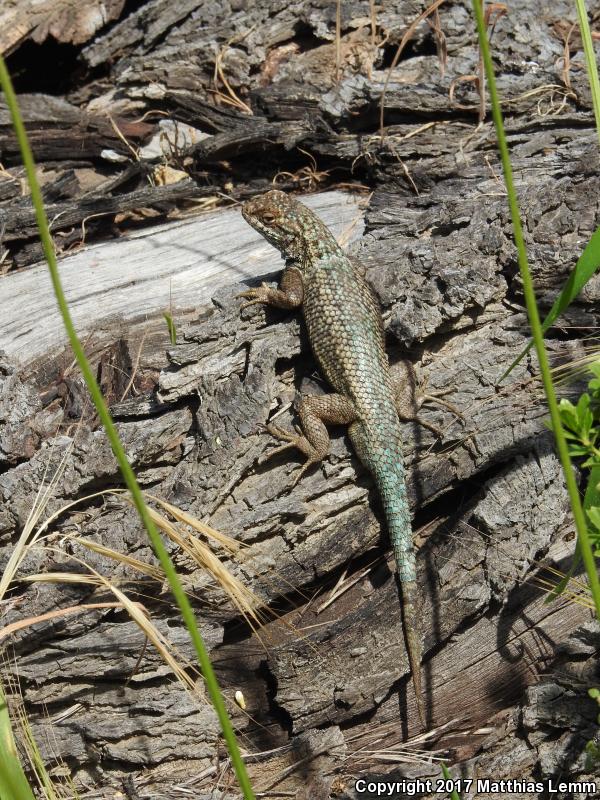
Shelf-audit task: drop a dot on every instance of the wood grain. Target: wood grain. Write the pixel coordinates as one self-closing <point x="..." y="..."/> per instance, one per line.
<point x="178" y="265"/>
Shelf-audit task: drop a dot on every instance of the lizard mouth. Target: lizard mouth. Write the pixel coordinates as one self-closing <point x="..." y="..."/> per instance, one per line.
<point x="246" y="213"/>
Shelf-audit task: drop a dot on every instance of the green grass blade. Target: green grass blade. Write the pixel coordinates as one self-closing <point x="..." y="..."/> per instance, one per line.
<point x="534" y="317"/>
<point x="562" y="585"/>
<point x="13" y="782"/>
<point x="587" y="265"/>
<point x="454" y="795"/>
<point x="111" y="432"/>
<point x="590" y="60"/>
<point x="171" y="328"/>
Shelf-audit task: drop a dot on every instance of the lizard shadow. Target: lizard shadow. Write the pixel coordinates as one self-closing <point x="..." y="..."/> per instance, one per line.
<point x="458" y="544"/>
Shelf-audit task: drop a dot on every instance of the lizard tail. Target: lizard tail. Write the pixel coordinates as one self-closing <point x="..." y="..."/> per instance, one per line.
<point x="384" y="459"/>
<point x="414" y="641"/>
<point x="395" y="501"/>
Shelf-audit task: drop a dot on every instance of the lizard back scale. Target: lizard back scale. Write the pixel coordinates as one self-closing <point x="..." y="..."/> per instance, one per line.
<point x="345" y="330"/>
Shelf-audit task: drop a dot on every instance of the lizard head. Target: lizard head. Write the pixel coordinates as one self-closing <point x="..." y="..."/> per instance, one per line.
<point x="282" y="220"/>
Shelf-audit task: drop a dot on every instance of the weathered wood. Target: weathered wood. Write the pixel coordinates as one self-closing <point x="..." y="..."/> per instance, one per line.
<point x="73" y="134"/>
<point x="178" y="266"/>
<point x="71" y="21"/>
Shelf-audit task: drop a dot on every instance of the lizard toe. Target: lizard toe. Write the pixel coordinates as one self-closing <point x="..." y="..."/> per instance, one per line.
<point x="306" y="466"/>
<point x="282" y="434"/>
<point x="268" y="456"/>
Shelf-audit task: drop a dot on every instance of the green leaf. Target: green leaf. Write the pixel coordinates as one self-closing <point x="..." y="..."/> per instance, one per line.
<point x="585" y="416"/>
<point x="586" y="266"/>
<point x="594" y="368"/>
<point x="594" y="516"/>
<point x="591" y="462"/>
<point x="594" y="384"/>
<point x="590" y="59"/>
<point x="579" y="420"/>
<point x="583" y="402"/>
<point x="578" y="450"/>
<point x="586" y="422"/>
<point x="592" y="491"/>
<point x="574" y="437"/>
<point x="568" y="415"/>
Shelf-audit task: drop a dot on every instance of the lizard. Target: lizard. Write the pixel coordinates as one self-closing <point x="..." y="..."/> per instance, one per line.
<point x="345" y="330"/>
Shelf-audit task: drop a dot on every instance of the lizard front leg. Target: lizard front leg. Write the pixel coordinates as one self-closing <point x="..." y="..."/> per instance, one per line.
<point x="312" y="439"/>
<point x="290" y="293"/>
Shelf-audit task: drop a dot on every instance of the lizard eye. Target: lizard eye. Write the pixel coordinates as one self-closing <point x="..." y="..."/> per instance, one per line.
<point x="268" y="217"/>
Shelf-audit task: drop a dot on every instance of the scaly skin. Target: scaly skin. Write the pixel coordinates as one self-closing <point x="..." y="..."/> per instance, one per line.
<point x="346" y="335"/>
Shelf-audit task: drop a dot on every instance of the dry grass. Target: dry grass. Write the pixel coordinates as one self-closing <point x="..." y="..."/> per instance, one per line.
<point x="53" y="784"/>
<point x="183" y="529"/>
<point x="133" y="150"/>
<point x="228" y="97"/>
<point x="577" y="368"/>
<point x="247" y="603"/>
<point x="375" y="748"/>
<point x="308" y="177"/>
<point x="31" y="531"/>
<point x="493" y="12"/>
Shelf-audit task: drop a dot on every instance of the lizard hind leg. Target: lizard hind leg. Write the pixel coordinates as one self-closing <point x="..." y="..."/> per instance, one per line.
<point x="410" y="395"/>
<point x="312" y="439"/>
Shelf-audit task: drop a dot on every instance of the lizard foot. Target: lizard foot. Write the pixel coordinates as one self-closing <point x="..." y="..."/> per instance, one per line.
<point x="293" y="440"/>
<point x="431" y="426"/>
<point x="260" y="294"/>
<point x="437" y="397"/>
<point x="279" y="433"/>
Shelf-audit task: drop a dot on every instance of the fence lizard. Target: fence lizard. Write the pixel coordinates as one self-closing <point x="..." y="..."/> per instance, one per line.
<point x="345" y="329"/>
